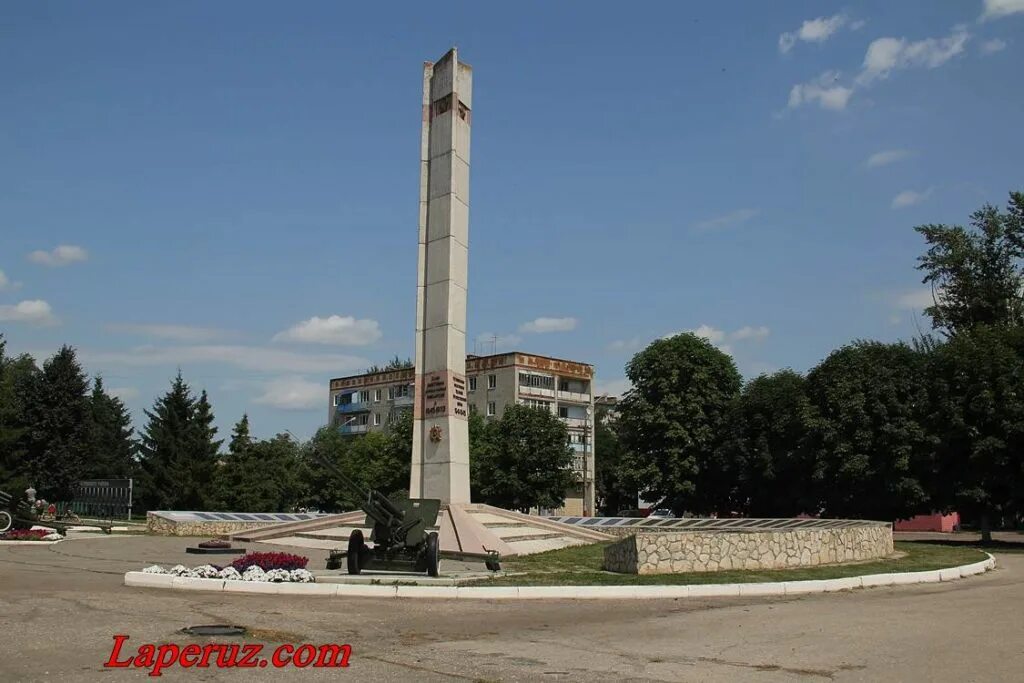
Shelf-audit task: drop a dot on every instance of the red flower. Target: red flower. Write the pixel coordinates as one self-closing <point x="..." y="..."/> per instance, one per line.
<point x="268" y="561"/>
<point x="25" y="535"/>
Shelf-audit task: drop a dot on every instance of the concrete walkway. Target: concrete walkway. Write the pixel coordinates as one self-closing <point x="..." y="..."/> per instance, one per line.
<point x="60" y="606"/>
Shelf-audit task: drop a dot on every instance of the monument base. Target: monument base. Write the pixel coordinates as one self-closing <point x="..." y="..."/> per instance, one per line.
<point x="467" y="531"/>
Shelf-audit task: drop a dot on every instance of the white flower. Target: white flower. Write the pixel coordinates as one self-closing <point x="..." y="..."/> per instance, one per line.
<point x="302" y="576"/>
<point x="154" y="569"/>
<point x="180" y="570"/>
<point x="229" y="573"/>
<point x="205" y="571"/>
<point x="277" y="575"/>
<point x="254" y="573"/>
<point x="53" y="537"/>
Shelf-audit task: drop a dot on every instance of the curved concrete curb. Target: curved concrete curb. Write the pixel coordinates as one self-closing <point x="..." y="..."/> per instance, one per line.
<point x="142" y="580"/>
<point x="3" y="543"/>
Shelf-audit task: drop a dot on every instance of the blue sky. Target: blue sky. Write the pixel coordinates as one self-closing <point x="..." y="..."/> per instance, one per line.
<point x="205" y="185"/>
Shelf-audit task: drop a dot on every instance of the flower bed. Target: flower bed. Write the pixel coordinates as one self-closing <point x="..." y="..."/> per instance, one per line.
<point x="252" y="572"/>
<point x="30" y="535"/>
<point x="270" y="561"/>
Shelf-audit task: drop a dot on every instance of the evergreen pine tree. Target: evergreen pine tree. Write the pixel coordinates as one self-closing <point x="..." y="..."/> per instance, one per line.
<point x="17" y="376"/>
<point x="56" y="409"/>
<point x="177" y="451"/>
<point x="111" y="447"/>
<point x="240" y="439"/>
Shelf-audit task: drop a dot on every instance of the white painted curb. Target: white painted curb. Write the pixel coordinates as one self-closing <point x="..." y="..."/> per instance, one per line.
<point x="707" y="590"/>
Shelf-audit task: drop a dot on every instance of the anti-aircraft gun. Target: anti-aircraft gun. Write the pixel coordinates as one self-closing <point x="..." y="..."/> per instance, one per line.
<point x="401" y="539"/>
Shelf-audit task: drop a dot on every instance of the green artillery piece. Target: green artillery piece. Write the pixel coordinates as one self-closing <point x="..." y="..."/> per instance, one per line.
<point x="401" y="540"/>
<point x="23" y="515"/>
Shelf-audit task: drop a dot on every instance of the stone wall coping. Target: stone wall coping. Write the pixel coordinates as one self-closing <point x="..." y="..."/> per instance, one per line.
<point x="779" y="588"/>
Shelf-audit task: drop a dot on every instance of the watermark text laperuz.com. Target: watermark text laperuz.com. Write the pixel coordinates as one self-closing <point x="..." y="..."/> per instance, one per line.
<point x="156" y="657"/>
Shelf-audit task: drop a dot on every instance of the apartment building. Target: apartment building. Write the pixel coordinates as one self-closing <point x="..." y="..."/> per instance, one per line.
<point x="363" y="403"/>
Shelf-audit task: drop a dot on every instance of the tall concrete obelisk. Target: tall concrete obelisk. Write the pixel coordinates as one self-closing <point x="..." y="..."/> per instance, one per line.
<point x="440" y="442"/>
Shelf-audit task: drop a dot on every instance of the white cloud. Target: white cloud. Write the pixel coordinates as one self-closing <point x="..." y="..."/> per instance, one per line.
<point x="181" y="333"/>
<point x="914" y="300"/>
<point x="335" y="329"/>
<point x="992" y="46"/>
<point x="752" y="333"/>
<point x="994" y="9"/>
<point x="124" y="393"/>
<point x="634" y="344"/>
<point x="885" y="55"/>
<point x="61" y="255"/>
<point x="6" y="285"/>
<point x="713" y="335"/>
<point x="909" y="198"/>
<point x="812" y="31"/>
<point x="31" y="311"/>
<point x="727" y="220"/>
<point x="612" y="387"/>
<point x="858" y="24"/>
<point x="255" y="358"/>
<point x="293" y="393"/>
<point x="824" y="90"/>
<point x="545" y="325"/>
<point x="886" y="157"/>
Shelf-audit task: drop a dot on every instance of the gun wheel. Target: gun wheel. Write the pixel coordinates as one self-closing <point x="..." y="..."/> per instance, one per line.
<point x="5" y="521"/>
<point x="492" y="565"/>
<point x="433" y="555"/>
<point x="355" y="551"/>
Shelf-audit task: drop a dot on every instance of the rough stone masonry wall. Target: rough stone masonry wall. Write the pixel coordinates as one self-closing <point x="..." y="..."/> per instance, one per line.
<point x="695" y="551"/>
<point x="155" y="524"/>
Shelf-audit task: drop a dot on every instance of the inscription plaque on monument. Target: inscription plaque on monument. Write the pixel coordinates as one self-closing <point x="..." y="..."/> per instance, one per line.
<point x="444" y="394"/>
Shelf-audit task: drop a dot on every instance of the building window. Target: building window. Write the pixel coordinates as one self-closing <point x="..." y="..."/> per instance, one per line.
<point x="492" y="381"/>
<point x="492" y="408"/>
<point x="364" y="396"/>
<point x="563" y="412"/>
<point x="534" y="403"/>
<point x="376" y="419"/>
<point x="376" y="396"/>
<point x="472" y="383"/>
<point x="472" y="409"/>
<point x="399" y="391"/>
<point x="337" y="399"/>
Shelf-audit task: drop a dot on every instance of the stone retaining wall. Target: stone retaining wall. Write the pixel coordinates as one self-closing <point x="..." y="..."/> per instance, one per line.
<point x="709" y="551"/>
<point x="157" y="524"/>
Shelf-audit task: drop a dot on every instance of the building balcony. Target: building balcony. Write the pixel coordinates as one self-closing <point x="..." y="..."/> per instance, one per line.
<point x="535" y="391"/>
<point x="353" y="429"/>
<point x="574" y="396"/>
<point x="403" y="402"/>
<point x="346" y="408"/>
<point x="577" y="422"/>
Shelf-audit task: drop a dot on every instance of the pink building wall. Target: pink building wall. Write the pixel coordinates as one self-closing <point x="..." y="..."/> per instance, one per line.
<point x="933" y="522"/>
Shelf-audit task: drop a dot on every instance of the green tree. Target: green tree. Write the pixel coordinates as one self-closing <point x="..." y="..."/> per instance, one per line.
<point x="869" y="432"/>
<point x="111" y="448"/>
<point x="978" y="398"/>
<point x="177" y="451"/>
<point x="56" y="413"/>
<point x="261" y="476"/>
<point x="613" y="490"/>
<point x="673" y="419"/>
<point x="240" y="439"/>
<point x="976" y="274"/>
<point x="396" y="363"/>
<point x="525" y="461"/>
<point x="766" y="447"/>
<point x="18" y="379"/>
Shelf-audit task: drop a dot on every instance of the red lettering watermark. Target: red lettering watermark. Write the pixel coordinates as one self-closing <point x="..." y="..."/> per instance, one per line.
<point x="156" y="658"/>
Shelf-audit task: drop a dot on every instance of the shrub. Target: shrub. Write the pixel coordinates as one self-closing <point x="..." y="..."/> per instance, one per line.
<point x="268" y="561"/>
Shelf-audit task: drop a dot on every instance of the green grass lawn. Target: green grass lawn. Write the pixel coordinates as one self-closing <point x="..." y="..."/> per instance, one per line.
<point x="581" y="565"/>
